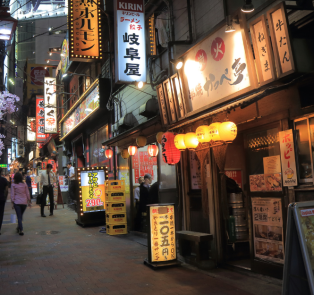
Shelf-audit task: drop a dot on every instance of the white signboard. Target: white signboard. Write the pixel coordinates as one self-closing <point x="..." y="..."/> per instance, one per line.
<point x="31" y="125"/>
<point x="217" y="69"/>
<point x="289" y="172"/>
<point x="20" y="139"/>
<point x="130" y="43"/>
<point x="268" y="229"/>
<point x="30" y="155"/>
<point x="13" y="148"/>
<point x="63" y="183"/>
<point x="50" y="103"/>
<point x="9" y="156"/>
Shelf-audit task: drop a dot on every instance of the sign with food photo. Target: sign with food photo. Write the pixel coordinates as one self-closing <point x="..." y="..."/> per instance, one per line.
<point x="265" y="182"/>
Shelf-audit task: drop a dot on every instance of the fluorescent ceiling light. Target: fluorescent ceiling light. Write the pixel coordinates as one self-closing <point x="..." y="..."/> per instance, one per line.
<point x="4" y="37"/>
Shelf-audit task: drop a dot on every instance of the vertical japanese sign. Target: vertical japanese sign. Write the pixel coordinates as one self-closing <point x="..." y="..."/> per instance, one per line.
<point x="170" y="101"/>
<point x="85" y="30"/>
<point x="268" y="229"/>
<point x="93" y="190"/>
<point x="50" y="103"/>
<point x="20" y="139"/>
<point x="130" y="43"/>
<point x="31" y="129"/>
<point x="178" y="95"/>
<point x="13" y="148"/>
<point x="40" y="119"/>
<point x="162" y="105"/>
<point x="262" y="50"/>
<point x="289" y="175"/>
<point x="278" y="25"/>
<point x="219" y="68"/>
<point x="162" y="233"/>
<point x="9" y="156"/>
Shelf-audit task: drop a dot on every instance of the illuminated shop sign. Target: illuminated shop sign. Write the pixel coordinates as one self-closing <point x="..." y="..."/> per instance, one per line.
<point x="82" y="109"/>
<point x="162" y="239"/>
<point x="85" y="30"/>
<point x="40" y="119"/>
<point x="31" y="129"/>
<point x="219" y="68"/>
<point x="50" y="103"/>
<point x="130" y="45"/>
<point x="92" y="189"/>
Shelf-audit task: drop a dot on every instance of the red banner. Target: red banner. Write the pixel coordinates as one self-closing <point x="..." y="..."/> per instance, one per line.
<point x="236" y="175"/>
<point x="40" y="119"/>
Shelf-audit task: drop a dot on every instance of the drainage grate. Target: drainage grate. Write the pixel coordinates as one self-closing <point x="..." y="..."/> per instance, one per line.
<point x="48" y="232"/>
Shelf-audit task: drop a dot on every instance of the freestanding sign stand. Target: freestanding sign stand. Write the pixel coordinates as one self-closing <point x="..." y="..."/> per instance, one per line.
<point x="161" y="237"/>
<point x="91" y="201"/>
<point x="299" y="260"/>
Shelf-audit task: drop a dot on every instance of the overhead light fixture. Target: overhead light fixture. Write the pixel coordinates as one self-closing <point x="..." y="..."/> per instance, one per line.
<point x="247" y="6"/>
<point x="229" y="26"/>
<point x="64" y="75"/>
<point x="178" y="63"/>
<point x="140" y="84"/>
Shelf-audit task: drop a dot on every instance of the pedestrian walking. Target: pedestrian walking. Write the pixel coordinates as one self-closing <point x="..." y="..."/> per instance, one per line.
<point x="71" y="178"/>
<point x="19" y="198"/>
<point x="46" y="184"/>
<point x="28" y="181"/>
<point x="3" y="196"/>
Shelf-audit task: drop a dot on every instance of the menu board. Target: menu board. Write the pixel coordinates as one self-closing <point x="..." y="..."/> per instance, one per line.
<point x="63" y="183"/>
<point x="272" y="164"/>
<point x="143" y="164"/>
<point x="93" y="190"/>
<point x="82" y="111"/>
<point x="162" y="231"/>
<point x="266" y="182"/>
<point x="268" y="229"/>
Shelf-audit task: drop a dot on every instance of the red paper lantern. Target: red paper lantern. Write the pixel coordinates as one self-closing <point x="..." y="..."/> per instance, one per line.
<point x="152" y="150"/>
<point x="170" y="154"/>
<point x="108" y="153"/>
<point x="132" y="150"/>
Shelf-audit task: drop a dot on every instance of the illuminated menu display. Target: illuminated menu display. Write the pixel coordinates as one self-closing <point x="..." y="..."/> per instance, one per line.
<point x="162" y="233"/>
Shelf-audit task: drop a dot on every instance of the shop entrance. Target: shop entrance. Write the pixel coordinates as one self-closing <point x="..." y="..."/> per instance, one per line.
<point x="253" y="162"/>
<point x="78" y="148"/>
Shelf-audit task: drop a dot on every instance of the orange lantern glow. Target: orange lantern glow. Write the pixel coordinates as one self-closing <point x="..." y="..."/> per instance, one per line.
<point x="190" y="141"/>
<point x="152" y="150"/>
<point x="179" y="142"/>
<point x="125" y="154"/>
<point x="202" y="133"/>
<point x="228" y="131"/>
<point x="132" y="150"/>
<point x="214" y="131"/>
<point x="141" y="141"/>
<point x="108" y="153"/>
<point x="170" y="154"/>
<point x="159" y="136"/>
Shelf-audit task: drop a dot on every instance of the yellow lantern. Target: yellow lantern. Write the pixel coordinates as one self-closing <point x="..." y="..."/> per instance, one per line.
<point x="141" y="141"/>
<point x="228" y="131"/>
<point x="190" y="140"/>
<point x="159" y="136"/>
<point x="179" y="142"/>
<point x="125" y="154"/>
<point x="202" y="133"/>
<point x="214" y="131"/>
<point x="132" y="149"/>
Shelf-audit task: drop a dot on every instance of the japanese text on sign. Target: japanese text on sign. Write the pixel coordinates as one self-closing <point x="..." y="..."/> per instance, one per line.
<point x="262" y="51"/>
<point x="163" y="107"/>
<point x="93" y="190"/>
<point x="130" y="41"/>
<point x="281" y="35"/>
<point x="50" y="103"/>
<point x="163" y="242"/>
<point x="289" y="175"/>
<point x="85" y="33"/>
<point x="40" y="119"/>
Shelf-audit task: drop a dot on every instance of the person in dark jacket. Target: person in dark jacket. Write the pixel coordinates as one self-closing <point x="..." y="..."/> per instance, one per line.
<point x="3" y="196"/>
<point x="28" y="181"/>
<point x="144" y="200"/>
<point x="153" y="193"/>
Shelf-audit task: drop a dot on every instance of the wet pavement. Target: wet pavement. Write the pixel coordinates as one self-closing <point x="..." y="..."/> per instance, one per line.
<point x="56" y="256"/>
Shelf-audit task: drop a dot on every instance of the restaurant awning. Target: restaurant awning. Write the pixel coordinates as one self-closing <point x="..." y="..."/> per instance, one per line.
<point x="241" y="102"/>
<point x="147" y="129"/>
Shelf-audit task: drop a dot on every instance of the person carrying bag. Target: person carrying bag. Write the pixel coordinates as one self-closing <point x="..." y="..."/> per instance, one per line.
<point x="46" y="184"/>
<point x="20" y="198"/>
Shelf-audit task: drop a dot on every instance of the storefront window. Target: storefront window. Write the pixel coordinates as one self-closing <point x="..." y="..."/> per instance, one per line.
<point x="97" y="156"/>
<point x="304" y="142"/>
<point x="143" y="164"/>
<point x="260" y="145"/>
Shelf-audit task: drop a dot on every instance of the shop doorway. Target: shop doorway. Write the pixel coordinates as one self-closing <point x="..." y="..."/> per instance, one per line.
<point x="253" y="162"/>
<point x="79" y="155"/>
